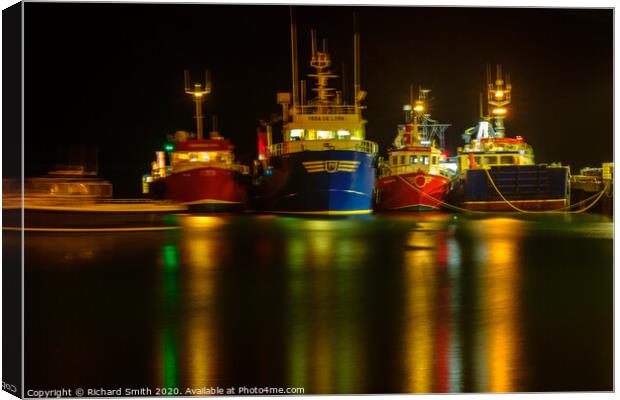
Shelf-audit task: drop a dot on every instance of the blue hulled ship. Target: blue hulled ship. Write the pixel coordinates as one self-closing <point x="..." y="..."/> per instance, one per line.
<point x="323" y="165"/>
<point x="497" y="173"/>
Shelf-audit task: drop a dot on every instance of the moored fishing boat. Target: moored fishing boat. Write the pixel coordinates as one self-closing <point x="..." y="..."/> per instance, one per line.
<point x="412" y="178"/>
<point x="202" y="173"/>
<point x="499" y="173"/>
<point x="323" y="165"/>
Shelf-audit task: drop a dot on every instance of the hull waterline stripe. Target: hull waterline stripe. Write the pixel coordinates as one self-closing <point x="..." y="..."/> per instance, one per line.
<point x="352" y="212"/>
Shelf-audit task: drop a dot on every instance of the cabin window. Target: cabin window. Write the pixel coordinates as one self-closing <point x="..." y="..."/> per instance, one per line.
<point x="477" y="160"/>
<point x="179" y="157"/>
<point x="402" y="160"/>
<point x="424" y="160"/>
<point x="201" y="156"/>
<point x="434" y="160"/>
<point x="490" y="160"/>
<point x="357" y="134"/>
<point x="343" y="134"/>
<point x="506" y="160"/>
<point x="413" y="159"/>
<point x="297" y="134"/>
<point x="325" y="134"/>
<point x="394" y="160"/>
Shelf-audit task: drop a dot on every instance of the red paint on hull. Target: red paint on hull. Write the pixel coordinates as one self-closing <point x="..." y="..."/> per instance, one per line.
<point x="205" y="185"/>
<point x="395" y="194"/>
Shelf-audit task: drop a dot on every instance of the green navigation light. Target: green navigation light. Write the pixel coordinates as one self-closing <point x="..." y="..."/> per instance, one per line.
<point x="168" y="147"/>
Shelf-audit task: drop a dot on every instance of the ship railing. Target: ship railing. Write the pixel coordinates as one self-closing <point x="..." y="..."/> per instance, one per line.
<point x="322" y="109"/>
<point x="297" y="146"/>
<point x="492" y="146"/>
<point x="386" y="170"/>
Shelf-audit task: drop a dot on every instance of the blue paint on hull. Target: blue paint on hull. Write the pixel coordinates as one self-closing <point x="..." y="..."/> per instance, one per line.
<point x="519" y="182"/>
<point x="293" y="188"/>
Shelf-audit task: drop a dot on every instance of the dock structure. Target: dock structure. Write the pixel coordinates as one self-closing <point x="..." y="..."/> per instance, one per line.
<point x="591" y="181"/>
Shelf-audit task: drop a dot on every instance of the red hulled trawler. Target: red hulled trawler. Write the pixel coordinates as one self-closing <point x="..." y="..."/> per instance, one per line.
<point x="202" y="173"/>
<point x="412" y="179"/>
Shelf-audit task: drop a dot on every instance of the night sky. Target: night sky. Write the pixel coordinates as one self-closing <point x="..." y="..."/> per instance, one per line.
<point x="110" y="76"/>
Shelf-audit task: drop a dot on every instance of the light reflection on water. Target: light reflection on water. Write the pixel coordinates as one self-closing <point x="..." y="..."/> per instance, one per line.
<point x="417" y="303"/>
<point x="498" y="342"/>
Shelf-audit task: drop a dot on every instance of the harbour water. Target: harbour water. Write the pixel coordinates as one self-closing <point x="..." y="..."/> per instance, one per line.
<point x="413" y="303"/>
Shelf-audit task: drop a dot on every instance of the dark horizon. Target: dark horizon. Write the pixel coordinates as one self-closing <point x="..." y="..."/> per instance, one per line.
<point x="111" y="75"/>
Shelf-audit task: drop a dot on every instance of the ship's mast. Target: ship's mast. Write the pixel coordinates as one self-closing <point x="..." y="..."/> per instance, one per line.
<point x="357" y="92"/>
<point x="321" y="62"/>
<point x="498" y="97"/>
<point x="418" y="116"/>
<point x="197" y="93"/>
<point x="295" y="71"/>
<point x="326" y="100"/>
<point x="420" y="129"/>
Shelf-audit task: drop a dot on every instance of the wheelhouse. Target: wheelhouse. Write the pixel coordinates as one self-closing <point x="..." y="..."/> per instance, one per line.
<point x="413" y="159"/>
<point x="489" y="152"/>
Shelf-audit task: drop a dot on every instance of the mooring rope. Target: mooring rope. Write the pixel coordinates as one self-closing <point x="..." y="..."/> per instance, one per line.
<point x="456" y="208"/>
<point x="559" y="210"/>
<point x="441" y="202"/>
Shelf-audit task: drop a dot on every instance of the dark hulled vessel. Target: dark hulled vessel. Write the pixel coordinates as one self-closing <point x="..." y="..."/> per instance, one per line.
<point x="323" y="165"/>
<point x="499" y="173"/>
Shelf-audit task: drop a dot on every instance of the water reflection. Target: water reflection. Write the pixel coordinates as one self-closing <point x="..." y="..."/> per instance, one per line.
<point x="188" y="339"/>
<point x="451" y="323"/>
<point x="499" y="271"/>
<point x="324" y="350"/>
<point x="415" y="304"/>
<point x="434" y="319"/>
<point x="168" y="355"/>
<point x="325" y="264"/>
<point x="420" y="279"/>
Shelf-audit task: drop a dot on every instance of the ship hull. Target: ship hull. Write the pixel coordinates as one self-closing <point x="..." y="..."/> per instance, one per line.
<point x="526" y="187"/>
<point x="416" y="191"/>
<point x="331" y="182"/>
<point x="206" y="189"/>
